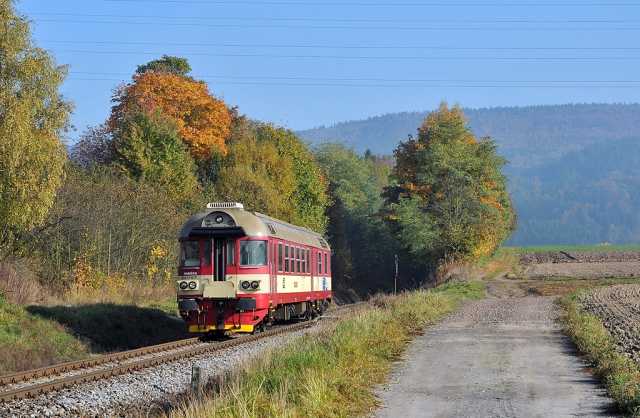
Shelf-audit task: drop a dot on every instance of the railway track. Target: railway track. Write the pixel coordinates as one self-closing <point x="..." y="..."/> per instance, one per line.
<point x="36" y="382"/>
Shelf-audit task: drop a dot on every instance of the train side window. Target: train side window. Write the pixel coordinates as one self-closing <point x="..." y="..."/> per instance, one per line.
<point x="253" y="253"/>
<point x="308" y="264"/>
<point x="280" y="257"/>
<point x="326" y="264"/>
<point x="286" y="258"/>
<point x="297" y="260"/>
<point x="304" y="260"/>
<point x="319" y="257"/>
<point x="231" y="252"/>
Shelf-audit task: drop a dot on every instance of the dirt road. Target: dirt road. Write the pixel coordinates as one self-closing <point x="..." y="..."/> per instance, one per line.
<point x="499" y="357"/>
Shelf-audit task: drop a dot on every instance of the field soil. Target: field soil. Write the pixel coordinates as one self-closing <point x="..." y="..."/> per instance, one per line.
<point x="503" y="356"/>
<point x="618" y="307"/>
<point x="584" y="265"/>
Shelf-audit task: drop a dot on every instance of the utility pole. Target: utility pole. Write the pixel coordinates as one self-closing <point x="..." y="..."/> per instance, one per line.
<point x="395" y="277"/>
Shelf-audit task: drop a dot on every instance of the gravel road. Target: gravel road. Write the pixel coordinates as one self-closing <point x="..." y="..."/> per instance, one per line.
<point x="498" y="357"/>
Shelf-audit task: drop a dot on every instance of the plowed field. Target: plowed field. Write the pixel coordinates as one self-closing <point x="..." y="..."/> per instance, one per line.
<point x="619" y="309"/>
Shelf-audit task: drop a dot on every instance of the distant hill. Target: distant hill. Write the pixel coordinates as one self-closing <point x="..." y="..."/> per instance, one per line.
<point x="574" y="170"/>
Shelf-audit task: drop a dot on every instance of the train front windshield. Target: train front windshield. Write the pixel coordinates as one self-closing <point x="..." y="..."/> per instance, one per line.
<point x="190" y="254"/>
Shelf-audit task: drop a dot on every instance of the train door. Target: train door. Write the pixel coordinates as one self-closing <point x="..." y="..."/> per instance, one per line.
<point x="273" y="269"/>
<point x="220" y="259"/>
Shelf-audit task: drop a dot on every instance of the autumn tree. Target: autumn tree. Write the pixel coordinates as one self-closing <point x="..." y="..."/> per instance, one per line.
<point x="449" y="200"/>
<point x="148" y="148"/>
<point x="33" y="115"/>
<point x="202" y="120"/>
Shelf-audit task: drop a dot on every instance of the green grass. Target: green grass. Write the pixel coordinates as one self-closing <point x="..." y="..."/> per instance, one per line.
<point x="332" y="373"/>
<point x="27" y="341"/>
<point x="574" y="248"/>
<point x="620" y="374"/>
<point x="112" y="327"/>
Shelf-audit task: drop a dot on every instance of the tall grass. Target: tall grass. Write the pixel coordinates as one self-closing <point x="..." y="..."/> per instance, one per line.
<point x="620" y="374"/>
<point x="332" y="373"/>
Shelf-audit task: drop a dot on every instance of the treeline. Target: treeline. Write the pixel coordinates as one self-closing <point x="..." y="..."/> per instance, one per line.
<point x="573" y="169"/>
<point x="104" y="217"/>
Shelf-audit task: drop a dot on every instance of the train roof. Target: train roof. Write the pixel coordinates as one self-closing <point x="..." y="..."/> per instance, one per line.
<point x="231" y="219"/>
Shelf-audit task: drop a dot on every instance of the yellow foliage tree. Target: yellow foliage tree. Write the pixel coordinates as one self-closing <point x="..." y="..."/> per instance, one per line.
<point x="202" y="120"/>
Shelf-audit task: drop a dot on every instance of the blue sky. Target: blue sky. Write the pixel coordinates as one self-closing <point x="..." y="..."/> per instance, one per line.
<point x="303" y="63"/>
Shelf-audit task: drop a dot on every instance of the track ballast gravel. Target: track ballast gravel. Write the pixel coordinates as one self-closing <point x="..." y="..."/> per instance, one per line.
<point x="502" y="357"/>
<point x="145" y="390"/>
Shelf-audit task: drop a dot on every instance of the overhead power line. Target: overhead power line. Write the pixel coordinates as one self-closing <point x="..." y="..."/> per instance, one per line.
<point x="327" y="84"/>
<point x="344" y="20"/>
<point x="388" y="4"/>
<point x="365" y="57"/>
<point x="426" y="27"/>
<point x="335" y="46"/>
<point x="376" y="79"/>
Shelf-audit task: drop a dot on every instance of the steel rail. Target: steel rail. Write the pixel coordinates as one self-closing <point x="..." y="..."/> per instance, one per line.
<point x="129" y="367"/>
<point x="60" y="368"/>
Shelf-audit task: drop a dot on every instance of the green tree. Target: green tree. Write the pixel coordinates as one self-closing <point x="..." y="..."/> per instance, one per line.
<point x="149" y="148"/>
<point x="449" y="200"/>
<point x="310" y="198"/>
<point x="270" y="170"/>
<point x="254" y="173"/>
<point x="33" y="116"/>
<point x="167" y="64"/>
<point x="363" y="245"/>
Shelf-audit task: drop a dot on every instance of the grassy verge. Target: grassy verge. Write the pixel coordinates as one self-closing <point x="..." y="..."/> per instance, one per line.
<point x="27" y="341"/>
<point x="111" y="327"/>
<point x="620" y="374"/>
<point x="332" y="373"/>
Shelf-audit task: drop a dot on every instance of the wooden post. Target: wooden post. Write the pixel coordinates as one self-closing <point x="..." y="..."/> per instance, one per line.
<point x="196" y="377"/>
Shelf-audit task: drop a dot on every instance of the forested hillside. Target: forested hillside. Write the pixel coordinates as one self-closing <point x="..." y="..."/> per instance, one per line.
<point x="573" y="169"/>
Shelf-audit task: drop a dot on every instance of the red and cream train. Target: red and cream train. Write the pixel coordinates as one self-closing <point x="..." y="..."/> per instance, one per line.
<point x="240" y="271"/>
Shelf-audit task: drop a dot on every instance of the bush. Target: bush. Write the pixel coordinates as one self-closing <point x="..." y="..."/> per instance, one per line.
<point x="19" y="285"/>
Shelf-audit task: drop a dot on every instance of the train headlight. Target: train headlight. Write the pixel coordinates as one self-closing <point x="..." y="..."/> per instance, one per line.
<point x="193" y="285"/>
<point x="219" y="219"/>
<point x="184" y="285"/>
<point x="246" y="285"/>
<point x="255" y="285"/>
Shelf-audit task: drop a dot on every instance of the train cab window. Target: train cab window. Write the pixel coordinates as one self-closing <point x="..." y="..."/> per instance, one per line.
<point x="286" y="258"/>
<point x="190" y="254"/>
<point x="280" y="257"/>
<point x="231" y="252"/>
<point x="253" y="253"/>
